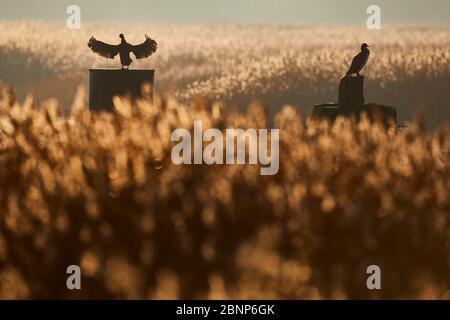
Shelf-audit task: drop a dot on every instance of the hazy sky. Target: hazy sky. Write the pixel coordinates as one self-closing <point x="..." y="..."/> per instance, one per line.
<point x="241" y="11"/>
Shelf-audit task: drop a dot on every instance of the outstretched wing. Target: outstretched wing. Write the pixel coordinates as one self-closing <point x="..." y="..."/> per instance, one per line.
<point x="103" y="49"/>
<point x="145" y="49"/>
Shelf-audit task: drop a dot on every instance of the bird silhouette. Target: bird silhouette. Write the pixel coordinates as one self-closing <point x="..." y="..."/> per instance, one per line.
<point x="359" y="61"/>
<point x="140" y="51"/>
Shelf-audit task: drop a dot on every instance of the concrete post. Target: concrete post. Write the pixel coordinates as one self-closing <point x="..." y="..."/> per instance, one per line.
<point x="104" y="84"/>
<point x="351" y="92"/>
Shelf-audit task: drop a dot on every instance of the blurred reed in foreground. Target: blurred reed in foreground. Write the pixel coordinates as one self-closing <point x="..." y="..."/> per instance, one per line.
<point x="99" y="190"/>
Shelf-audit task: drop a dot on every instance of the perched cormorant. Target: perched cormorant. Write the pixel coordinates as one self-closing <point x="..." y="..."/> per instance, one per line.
<point x="141" y="51"/>
<point x="359" y="61"/>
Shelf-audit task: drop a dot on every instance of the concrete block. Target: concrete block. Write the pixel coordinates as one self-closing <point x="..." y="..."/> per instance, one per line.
<point x="104" y="84"/>
<point x="351" y="92"/>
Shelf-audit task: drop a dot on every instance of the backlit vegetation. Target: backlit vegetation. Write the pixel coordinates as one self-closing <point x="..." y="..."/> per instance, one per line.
<point x="409" y="66"/>
<point x="100" y="190"/>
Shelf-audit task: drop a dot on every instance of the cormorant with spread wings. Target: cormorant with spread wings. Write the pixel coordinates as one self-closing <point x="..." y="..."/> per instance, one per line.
<point x="141" y="51"/>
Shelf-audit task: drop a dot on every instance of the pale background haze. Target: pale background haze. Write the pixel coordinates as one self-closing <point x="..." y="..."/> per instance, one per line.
<point x="319" y="12"/>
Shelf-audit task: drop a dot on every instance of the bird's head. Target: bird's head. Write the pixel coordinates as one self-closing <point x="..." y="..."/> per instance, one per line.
<point x="122" y="36"/>
<point x="364" y="46"/>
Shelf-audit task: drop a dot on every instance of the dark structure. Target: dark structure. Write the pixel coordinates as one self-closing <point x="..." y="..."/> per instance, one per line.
<point x="352" y="103"/>
<point x="141" y="51"/>
<point x="351" y="91"/>
<point x="351" y="96"/>
<point x="104" y="84"/>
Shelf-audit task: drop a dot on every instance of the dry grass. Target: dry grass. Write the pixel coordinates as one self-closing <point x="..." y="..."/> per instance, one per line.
<point x="100" y="190"/>
<point x="409" y="66"/>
